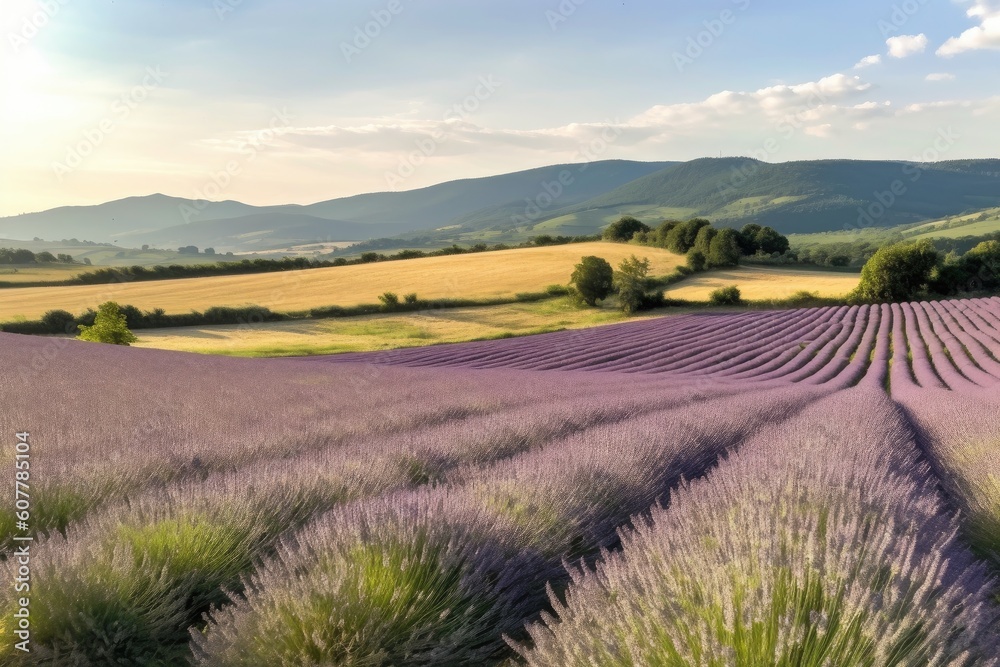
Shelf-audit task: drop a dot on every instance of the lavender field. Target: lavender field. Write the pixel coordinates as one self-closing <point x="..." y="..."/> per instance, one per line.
<point x="799" y="487"/>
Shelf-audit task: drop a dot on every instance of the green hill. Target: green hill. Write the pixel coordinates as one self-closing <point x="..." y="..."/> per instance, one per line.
<point x="568" y="199"/>
<point x="803" y="196"/>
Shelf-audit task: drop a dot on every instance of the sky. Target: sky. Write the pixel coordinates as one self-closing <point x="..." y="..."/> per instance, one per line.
<point x="270" y="102"/>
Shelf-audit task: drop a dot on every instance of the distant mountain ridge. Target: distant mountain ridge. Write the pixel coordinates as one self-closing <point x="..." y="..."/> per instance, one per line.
<point x="166" y="221"/>
<point x="802" y="196"/>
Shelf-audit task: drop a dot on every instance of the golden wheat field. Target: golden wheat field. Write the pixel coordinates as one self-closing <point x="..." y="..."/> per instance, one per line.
<point x="759" y="283"/>
<point x="40" y="273"/>
<point x="475" y="276"/>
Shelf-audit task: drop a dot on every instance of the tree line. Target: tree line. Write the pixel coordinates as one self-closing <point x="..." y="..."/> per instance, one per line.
<point x="705" y="246"/>
<point x="119" y="274"/>
<point x="9" y="256"/>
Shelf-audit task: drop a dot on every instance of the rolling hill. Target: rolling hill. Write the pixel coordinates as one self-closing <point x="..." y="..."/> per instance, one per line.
<point x="795" y="196"/>
<point x="799" y="197"/>
<point x="228" y="225"/>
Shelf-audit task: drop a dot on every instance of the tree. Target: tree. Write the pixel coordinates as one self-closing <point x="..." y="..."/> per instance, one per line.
<point x="682" y="237"/>
<point x="658" y="236"/>
<point x="624" y="229"/>
<point x="982" y="263"/>
<point x="748" y="238"/>
<point x="109" y="326"/>
<point x="725" y="249"/>
<point x="696" y="260"/>
<point x="839" y="260"/>
<point x="896" y="272"/>
<point x="592" y="279"/>
<point x="769" y="242"/>
<point x="630" y="283"/>
<point x="703" y="241"/>
<point x="45" y="257"/>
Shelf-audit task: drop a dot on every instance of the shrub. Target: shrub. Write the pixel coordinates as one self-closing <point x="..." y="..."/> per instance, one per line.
<point x="726" y="296"/>
<point x="59" y="321"/>
<point x="390" y="300"/>
<point x="244" y="315"/>
<point x="803" y="297"/>
<point x="109" y="326"/>
<point x="410" y="299"/>
<point x="592" y="278"/>
<point x="896" y="273"/>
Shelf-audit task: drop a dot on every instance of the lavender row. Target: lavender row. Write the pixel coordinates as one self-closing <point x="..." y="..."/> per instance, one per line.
<point x="952" y="344"/>
<point x="960" y="433"/>
<point x="127" y="419"/>
<point x="811" y="546"/>
<point x="438" y="577"/>
<point x="186" y="545"/>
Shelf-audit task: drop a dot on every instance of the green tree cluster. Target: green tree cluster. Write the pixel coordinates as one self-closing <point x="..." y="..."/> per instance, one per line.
<point x="110" y="326"/>
<point x="593" y="280"/>
<point x="624" y="229"/>
<point x="698" y="239"/>
<point x="22" y="256"/>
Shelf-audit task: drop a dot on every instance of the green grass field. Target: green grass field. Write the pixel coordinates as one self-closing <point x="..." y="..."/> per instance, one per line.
<point x="975" y="224"/>
<point x="382" y="332"/>
<point x="978" y="223"/>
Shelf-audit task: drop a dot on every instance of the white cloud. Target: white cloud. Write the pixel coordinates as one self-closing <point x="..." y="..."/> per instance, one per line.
<point x="984" y="36"/>
<point x="906" y="45"/>
<point x="868" y="61"/>
<point x="822" y="131"/>
<point x="940" y="76"/>
<point x="811" y="106"/>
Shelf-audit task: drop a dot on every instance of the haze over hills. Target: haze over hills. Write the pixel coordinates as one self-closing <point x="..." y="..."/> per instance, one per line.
<point x="561" y="199"/>
<point x="165" y="221"/>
